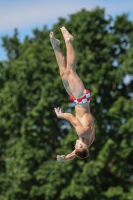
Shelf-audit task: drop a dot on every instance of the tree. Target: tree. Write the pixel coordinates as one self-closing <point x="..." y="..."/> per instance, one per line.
<point x="31" y="135"/>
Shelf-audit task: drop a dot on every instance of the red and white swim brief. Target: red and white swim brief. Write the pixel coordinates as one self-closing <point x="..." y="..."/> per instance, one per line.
<point x="84" y="99"/>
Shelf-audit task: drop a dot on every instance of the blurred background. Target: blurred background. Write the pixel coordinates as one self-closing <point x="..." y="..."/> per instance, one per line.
<point x="27" y="15"/>
<point x="30" y="88"/>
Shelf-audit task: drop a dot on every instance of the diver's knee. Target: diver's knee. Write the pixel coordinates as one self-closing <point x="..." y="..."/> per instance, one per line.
<point x="70" y="69"/>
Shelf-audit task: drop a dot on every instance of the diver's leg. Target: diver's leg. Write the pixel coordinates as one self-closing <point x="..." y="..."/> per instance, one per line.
<point x="61" y="61"/>
<point x="76" y="86"/>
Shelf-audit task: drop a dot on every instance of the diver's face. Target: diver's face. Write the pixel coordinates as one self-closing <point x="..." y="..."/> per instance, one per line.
<point x="78" y="144"/>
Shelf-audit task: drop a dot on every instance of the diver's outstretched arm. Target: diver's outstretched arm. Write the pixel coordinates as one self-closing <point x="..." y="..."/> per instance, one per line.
<point x="68" y="116"/>
<point x="63" y="158"/>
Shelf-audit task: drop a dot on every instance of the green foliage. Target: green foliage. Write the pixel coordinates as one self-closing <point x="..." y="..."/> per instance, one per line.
<point x="30" y="133"/>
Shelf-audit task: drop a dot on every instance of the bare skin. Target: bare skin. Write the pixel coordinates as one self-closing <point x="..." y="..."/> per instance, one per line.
<point x="82" y="121"/>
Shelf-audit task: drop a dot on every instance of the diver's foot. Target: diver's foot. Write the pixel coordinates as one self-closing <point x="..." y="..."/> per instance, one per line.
<point x="53" y="40"/>
<point x="67" y="36"/>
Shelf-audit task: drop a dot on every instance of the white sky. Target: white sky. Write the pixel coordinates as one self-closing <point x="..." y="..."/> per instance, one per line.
<point x="25" y="15"/>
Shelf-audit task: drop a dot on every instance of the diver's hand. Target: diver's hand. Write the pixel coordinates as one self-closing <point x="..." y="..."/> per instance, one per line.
<point x="61" y="158"/>
<point x="58" y="112"/>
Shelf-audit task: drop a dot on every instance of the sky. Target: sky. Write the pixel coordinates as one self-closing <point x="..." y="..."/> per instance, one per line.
<point x="26" y="15"/>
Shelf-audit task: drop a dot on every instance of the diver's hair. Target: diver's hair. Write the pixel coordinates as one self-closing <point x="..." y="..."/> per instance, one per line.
<point x="83" y="153"/>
